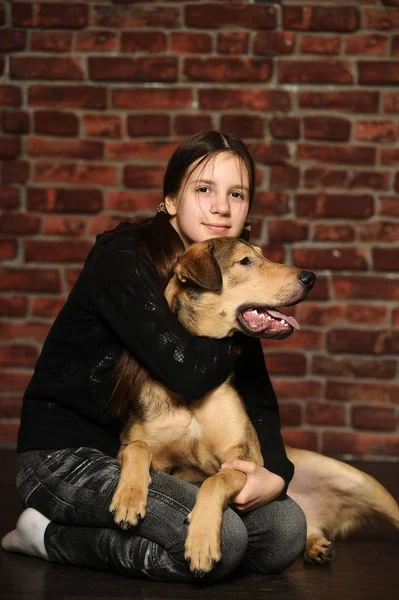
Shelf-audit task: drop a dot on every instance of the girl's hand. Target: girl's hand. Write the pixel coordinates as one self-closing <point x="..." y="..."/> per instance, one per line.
<point x="262" y="485"/>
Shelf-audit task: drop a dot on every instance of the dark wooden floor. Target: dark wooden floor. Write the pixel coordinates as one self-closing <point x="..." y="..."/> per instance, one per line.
<point x="366" y="566"/>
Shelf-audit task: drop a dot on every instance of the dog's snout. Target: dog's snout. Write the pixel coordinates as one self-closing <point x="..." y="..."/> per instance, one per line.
<point x="307" y="278"/>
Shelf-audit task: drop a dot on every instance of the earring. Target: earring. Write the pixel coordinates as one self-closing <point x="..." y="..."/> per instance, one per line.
<point x="162" y="208"/>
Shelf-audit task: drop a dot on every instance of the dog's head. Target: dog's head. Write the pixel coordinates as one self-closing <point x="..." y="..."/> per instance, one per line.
<point x="225" y="285"/>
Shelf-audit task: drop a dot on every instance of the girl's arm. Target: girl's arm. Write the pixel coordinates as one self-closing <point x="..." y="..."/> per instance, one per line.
<point x="140" y="316"/>
<point x="254" y="385"/>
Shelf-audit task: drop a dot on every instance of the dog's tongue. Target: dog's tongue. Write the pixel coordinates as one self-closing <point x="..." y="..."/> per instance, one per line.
<point x="293" y="322"/>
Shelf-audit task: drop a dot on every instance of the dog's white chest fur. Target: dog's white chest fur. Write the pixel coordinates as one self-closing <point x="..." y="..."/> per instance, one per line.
<point x="195" y="431"/>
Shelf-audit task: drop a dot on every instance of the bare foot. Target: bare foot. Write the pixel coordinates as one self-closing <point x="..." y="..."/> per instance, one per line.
<point x="28" y="536"/>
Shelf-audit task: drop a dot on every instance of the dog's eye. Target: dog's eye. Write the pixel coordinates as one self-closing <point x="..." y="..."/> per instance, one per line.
<point x="245" y="261"/>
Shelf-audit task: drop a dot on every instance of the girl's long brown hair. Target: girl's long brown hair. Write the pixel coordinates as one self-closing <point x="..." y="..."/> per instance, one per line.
<point x="160" y="244"/>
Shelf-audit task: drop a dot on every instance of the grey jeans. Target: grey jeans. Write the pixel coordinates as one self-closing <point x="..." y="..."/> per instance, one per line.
<point x="73" y="488"/>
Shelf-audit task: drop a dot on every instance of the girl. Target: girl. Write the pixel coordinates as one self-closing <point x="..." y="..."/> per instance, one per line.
<point x="68" y="440"/>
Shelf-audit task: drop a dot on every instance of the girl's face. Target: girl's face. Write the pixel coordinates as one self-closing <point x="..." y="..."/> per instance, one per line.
<point x="213" y="201"/>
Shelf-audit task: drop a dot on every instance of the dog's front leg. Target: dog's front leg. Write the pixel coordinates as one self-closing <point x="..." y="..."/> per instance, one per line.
<point x="130" y="498"/>
<point x="202" y="550"/>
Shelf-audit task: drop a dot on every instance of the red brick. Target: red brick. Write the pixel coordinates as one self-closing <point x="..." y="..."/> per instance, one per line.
<point x="10" y="147"/>
<point x="306" y="440"/>
<point x="19" y="224"/>
<point x="386" y="259"/>
<point x="381" y="18"/>
<point x="214" y="16"/>
<point x="135" y="16"/>
<point x="155" y="98"/>
<point x="8" y="248"/>
<point x="389" y="206"/>
<point x="369" y="179"/>
<point x="376" y="131"/>
<point x="14" y="381"/>
<point x="286" y="363"/>
<point x="64" y="200"/>
<point x="315" y="71"/>
<point x="395" y="46"/>
<point x="9" y="198"/>
<point x="191" y="124"/>
<point x="65" y="251"/>
<point x="391" y="102"/>
<point x="354" y="155"/>
<point x="395" y="317"/>
<point x="46" y="16"/>
<point x="354" y="367"/>
<point x="290" y="413"/>
<point x="379" y="231"/>
<point x="378" y="72"/>
<point x="232" y="42"/>
<point x="54" y="122"/>
<point x="383" y="393"/>
<point x="2" y="65"/>
<point x="389" y="156"/>
<point x="30" y="280"/>
<point x="10" y="95"/>
<point x="117" y="68"/>
<point x="243" y="126"/>
<point x="365" y="288"/>
<point x="47" y="308"/>
<point x="143" y="175"/>
<point x="364" y="444"/>
<point x="65" y="226"/>
<point x="15" y="121"/>
<point x="101" y="223"/>
<point x="10" y="408"/>
<point x="71" y="276"/>
<point x="286" y="230"/>
<point x="148" y="125"/>
<point x="51" y="41"/>
<point x="364" y="313"/>
<point x="325" y="178"/>
<point x="190" y="43"/>
<point x="67" y="96"/>
<point x="12" y="40"/>
<point x="355" y="341"/>
<point x="270" y="203"/>
<point x="367" y="44"/>
<point x="334" y="259"/>
<point x="145" y="41"/>
<point x="32" y="330"/>
<point x="229" y="69"/>
<point x="141" y="149"/>
<point x="96" y="41"/>
<point x="15" y="171"/>
<point x="347" y="101"/>
<point x="286" y="177"/>
<point x="250" y="99"/>
<point x="64" y="148"/>
<point x="18" y="355"/>
<point x="321" y="18"/>
<point x="396" y="184"/>
<point x="274" y="252"/>
<point x="320" y="413"/>
<point x="284" y="127"/>
<point x="103" y="125"/>
<point x="133" y="201"/>
<point x="271" y="154"/>
<point x="391" y="343"/>
<point x="373" y="417"/>
<point x="303" y="339"/>
<point x="78" y="174"/>
<point x="46" y="67"/>
<point x="274" y="42"/>
<point x="327" y="128"/>
<point x="321" y="289"/>
<point x="297" y="388"/>
<point x="334" y="206"/>
<point x="317" y="44"/>
<point x="334" y="233"/>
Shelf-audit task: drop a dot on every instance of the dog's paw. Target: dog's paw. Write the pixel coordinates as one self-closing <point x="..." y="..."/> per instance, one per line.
<point x="202" y="549"/>
<point x="319" y="551"/>
<point x="129" y="506"/>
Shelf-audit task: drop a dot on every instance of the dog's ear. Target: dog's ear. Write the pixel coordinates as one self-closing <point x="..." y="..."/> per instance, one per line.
<point x="198" y="266"/>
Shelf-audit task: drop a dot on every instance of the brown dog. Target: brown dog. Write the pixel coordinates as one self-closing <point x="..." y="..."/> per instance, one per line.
<point x="222" y="286"/>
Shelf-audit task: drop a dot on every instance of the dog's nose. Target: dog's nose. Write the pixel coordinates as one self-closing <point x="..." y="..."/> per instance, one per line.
<point x="307" y="278"/>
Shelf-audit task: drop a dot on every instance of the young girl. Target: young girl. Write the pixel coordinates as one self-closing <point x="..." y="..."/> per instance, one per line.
<point x="68" y="440"/>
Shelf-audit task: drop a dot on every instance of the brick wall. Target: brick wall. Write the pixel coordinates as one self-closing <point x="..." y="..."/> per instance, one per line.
<point x="95" y="96"/>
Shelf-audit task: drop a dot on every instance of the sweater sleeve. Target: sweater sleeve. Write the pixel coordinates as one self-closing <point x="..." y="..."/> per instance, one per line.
<point x="254" y="385"/>
<point x="140" y="316"/>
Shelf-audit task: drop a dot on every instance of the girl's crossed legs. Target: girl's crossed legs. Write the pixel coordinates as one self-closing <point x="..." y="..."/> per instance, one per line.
<point x="74" y="488"/>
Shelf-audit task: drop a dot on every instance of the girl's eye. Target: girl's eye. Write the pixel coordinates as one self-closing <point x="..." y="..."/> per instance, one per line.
<point x="245" y="261"/>
<point x="203" y="189"/>
<point x="238" y="195"/>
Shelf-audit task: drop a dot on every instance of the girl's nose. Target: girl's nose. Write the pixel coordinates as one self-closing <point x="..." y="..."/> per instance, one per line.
<point x="220" y="205"/>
